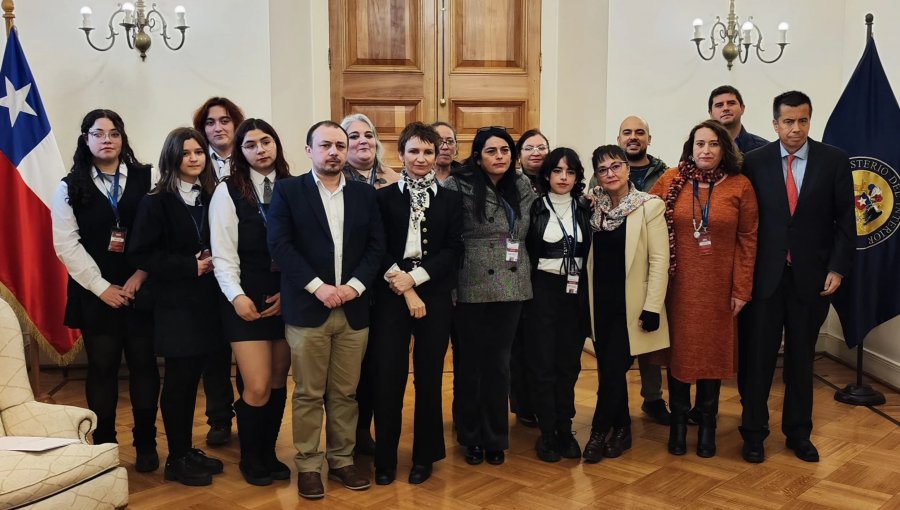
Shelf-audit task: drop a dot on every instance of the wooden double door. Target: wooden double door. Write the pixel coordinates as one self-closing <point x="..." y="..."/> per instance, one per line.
<point x="471" y="63"/>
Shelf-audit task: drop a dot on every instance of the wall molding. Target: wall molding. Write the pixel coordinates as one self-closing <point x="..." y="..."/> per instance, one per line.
<point x="875" y="365"/>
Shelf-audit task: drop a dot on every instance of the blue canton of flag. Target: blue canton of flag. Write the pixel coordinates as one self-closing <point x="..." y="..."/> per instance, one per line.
<point x="866" y="124"/>
<point x="26" y="124"/>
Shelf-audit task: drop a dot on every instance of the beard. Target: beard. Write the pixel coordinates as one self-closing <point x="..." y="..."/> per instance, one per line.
<point x="637" y="156"/>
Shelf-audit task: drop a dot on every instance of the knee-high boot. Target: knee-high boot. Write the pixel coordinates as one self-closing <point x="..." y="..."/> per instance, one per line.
<point x="274" y="416"/>
<point x="251" y="427"/>
<point x="708" y="404"/>
<point x="680" y="404"/>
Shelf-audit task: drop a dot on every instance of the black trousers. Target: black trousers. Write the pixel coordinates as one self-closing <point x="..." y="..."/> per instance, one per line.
<point x="389" y="345"/>
<point x="179" y="396"/>
<point x="762" y="323"/>
<point x="613" y="361"/>
<point x="553" y="345"/>
<point x="217" y="386"/>
<point x="104" y="353"/>
<point x="486" y="332"/>
<point x="519" y="384"/>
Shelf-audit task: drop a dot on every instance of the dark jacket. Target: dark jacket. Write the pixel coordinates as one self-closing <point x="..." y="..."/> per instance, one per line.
<point x="541" y="215"/>
<point x="821" y="233"/>
<point x="164" y="243"/>
<point x="442" y="244"/>
<point x="747" y="141"/>
<point x="300" y="242"/>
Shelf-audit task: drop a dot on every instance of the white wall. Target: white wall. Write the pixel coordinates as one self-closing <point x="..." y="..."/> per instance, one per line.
<point x="154" y="96"/>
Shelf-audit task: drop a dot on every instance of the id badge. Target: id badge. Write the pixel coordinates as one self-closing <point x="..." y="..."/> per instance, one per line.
<point x="572" y="284"/>
<point x="512" y="250"/>
<point x="204" y="254"/>
<point x="117" y="239"/>
<point x="274" y="267"/>
<point x="704" y="242"/>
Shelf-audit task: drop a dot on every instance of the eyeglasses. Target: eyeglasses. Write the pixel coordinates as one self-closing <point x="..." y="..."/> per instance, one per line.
<point x="488" y="128"/>
<point x="612" y="169"/>
<point x="535" y="148"/>
<point x="101" y="135"/>
<point x="265" y="143"/>
<point x="449" y="142"/>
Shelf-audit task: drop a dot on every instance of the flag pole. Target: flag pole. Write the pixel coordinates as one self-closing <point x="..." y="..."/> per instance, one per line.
<point x="860" y="394"/>
<point x="34" y="353"/>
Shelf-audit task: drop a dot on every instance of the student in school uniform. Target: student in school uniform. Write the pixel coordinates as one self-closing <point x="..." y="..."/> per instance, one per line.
<point x="171" y="242"/>
<point x="251" y="283"/>
<point x="93" y="212"/>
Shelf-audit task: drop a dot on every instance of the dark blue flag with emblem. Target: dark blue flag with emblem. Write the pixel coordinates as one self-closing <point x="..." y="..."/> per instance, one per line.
<point x="866" y="124"/>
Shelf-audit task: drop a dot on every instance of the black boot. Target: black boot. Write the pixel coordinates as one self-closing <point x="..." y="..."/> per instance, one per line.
<point x="680" y="404"/>
<point x="708" y="404"/>
<point x="251" y="427"/>
<point x="568" y="445"/>
<point x="274" y="416"/>
<point x="144" y="433"/>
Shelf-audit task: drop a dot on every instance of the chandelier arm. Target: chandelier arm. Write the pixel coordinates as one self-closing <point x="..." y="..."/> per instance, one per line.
<point x="700" y="52"/>
<point x="111" y="38"/>
<point x="759" y="50"/>
<point x="165" y="32"/>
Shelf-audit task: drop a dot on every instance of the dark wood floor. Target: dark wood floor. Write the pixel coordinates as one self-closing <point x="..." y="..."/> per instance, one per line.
<point x="860" y="466"/>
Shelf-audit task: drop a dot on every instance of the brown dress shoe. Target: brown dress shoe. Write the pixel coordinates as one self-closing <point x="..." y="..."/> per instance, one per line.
<point x="309" y="484"/>
<point x="350" y="477"/>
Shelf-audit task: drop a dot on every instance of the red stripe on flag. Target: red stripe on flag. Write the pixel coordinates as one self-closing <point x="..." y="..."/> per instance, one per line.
<point x="28" y="264"/>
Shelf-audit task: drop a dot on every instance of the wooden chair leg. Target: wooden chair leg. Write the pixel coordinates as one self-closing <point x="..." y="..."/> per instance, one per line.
<point x="34" y="373"/>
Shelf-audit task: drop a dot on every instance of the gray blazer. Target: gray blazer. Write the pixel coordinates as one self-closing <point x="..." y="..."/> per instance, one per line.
<point x="485" y="276"/>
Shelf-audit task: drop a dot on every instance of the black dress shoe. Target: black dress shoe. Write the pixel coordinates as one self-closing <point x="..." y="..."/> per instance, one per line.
<point x="184" y="471"/>
<point x="527" y="420"/>
<point x="218" y="435"/>
<point x="568" y="445"/>
<point x="474" y="455"/>
<point x="385" y="476"/>
<point x="419" y="473"/>
<point x="753" y="451"/>
<point x="211" y="464"/>
<point x="803" y="449"/>
<point x="147" y="460"/>
<point x="547" y="448"/>
<point x="657" y="411"/>
<point x="617" y="442"/>
<point x="495" y="457"/>
<point x="365" y="445"/>
<point x="593" y="450"/>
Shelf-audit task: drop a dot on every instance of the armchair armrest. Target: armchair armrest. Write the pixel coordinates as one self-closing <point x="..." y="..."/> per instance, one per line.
<point x="49" y="420"/>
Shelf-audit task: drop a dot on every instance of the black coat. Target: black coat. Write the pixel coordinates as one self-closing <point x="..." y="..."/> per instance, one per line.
<point x="165" y="244"/>
<point x="300" y="243"/>
<point x="820" y="235"/>
<point x="442" y="244"/>
<point x="540" y="216"/>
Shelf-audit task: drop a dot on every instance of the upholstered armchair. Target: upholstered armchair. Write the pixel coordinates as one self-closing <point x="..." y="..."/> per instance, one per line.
<point x="78" y="476"/>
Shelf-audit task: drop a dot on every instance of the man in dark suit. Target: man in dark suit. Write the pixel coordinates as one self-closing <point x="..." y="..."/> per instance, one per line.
<point x="805" y="247"/>
<point x="326" y="236"/>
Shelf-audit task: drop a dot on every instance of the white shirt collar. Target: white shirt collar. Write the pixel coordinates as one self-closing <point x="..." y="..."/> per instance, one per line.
<point x="319" y="181"/>
<point x="215" y="155"/>
<point x="123" y="170"/>
<point x="802" y="152"/>
<point x="257" y="178"/>
<point x="434" y="187"/>
<point x="187" y="187"/>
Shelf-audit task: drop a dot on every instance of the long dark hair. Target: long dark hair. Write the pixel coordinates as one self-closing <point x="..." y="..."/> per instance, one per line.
<point x="81" y="181"/>
<point x="472" y="173"/>
<point x="731" y="156"/>
<point x="552" y="160"/>
<point x="240" y="167"/>
<point x="170" y="161"/>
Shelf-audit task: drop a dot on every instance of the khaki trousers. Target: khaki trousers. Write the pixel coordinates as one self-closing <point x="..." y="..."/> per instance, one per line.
<point x="325" y="361"/>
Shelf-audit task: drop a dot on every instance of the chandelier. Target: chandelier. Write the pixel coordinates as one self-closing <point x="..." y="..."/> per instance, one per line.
<point x="737" y="43"/>
<point x="137" y="23"/>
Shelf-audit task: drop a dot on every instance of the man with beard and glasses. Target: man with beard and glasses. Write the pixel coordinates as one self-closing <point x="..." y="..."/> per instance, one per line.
<point x="634" y="138"/>
<point x="727" y="106"/>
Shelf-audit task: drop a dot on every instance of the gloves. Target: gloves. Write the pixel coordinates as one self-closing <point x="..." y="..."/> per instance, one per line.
<point x="650" y="320"/>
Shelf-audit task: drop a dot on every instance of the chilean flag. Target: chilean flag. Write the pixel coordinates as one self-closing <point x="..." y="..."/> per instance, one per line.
<point x="32" y="279"/>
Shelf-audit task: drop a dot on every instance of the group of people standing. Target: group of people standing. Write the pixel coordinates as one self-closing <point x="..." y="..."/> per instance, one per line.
<point x="339" y="273"/>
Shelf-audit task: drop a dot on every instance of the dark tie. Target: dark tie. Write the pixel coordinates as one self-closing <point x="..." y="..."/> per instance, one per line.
<point x="196" y="187"/>
<point x="267" y="190"/>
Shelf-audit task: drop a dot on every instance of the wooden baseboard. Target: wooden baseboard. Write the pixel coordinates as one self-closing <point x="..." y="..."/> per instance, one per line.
<point x="875" y="366"/>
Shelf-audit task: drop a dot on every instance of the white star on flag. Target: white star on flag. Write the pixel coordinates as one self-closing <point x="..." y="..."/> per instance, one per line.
<point x="15" y="101"/>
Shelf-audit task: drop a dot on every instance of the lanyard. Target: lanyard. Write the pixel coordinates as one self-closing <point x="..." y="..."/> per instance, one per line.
<point x="510" y="216"/>
<point x="570" y="243"/>
<point x="197" y="228"/>
<point x="114" y="197"/>
<point x="373" y="176"/>
<point x="704" y="210"/>
<point x="259" y="206"/>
